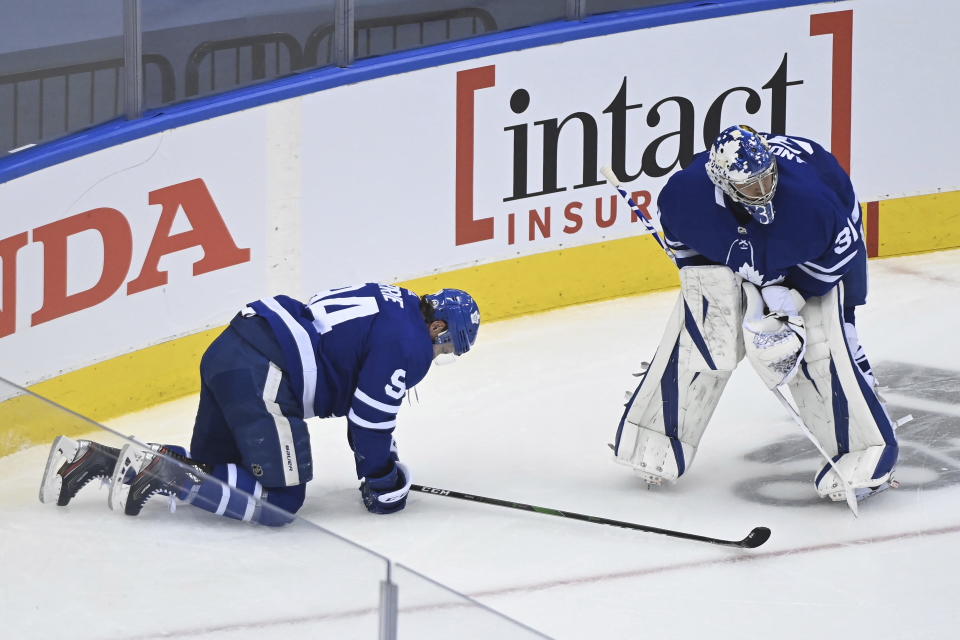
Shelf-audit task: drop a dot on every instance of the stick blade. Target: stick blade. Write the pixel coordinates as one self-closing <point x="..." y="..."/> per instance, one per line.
<point x="755" y="538"/>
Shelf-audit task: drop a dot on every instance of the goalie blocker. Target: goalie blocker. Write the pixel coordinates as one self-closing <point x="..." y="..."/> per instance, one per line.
<point x="666" y="416"/>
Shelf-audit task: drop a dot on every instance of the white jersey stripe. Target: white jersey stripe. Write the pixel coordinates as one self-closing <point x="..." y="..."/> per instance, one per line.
<point x="225" y="495"/>
<point x="288" y="453"/>
<point x="376" y="404"/>
<point x="305" y="348"/>
<point x="252" y="502"/>
<point x="834" y="267"/>
<point x="818" y="276"/>
<point x="390" y="424"/>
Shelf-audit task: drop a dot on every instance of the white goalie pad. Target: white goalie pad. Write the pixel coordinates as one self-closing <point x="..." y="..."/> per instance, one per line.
<point x="665" y="418"/>
<point x="841" y="407"/>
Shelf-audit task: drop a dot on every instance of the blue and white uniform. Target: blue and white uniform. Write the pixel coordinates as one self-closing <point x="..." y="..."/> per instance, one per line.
<point x="352" y="351"/>
<point x="815" y="240"/>
<point x="780" y="210"/>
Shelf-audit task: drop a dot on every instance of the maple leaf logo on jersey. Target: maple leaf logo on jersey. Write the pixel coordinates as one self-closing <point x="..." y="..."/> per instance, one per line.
<point x="748" y="273"/>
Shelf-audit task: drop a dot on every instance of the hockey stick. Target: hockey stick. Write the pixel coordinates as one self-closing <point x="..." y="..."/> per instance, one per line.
<point x="612" y="179"/>
<point x="847" y="489"/>
<point x="754" y="539"/>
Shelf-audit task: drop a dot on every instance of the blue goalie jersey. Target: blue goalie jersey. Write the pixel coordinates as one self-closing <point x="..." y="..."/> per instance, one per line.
<point x="814" y="241"/>
<point x="354" y="352"/>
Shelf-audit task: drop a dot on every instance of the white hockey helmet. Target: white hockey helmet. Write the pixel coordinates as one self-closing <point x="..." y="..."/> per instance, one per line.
<point x="743" y="167"/>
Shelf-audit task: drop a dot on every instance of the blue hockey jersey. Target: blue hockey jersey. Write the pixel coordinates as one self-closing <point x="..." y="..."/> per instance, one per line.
<point x="814" y="241"/>
<point x="353" y="351"/>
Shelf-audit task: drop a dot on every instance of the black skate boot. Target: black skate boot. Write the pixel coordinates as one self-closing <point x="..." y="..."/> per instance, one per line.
<point x="71" y="465"/>
<point x="155" y="475"/>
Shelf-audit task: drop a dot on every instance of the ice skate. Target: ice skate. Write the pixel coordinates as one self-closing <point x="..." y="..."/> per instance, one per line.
<point x="72" y="464"/>
<point x="154" y="475"/>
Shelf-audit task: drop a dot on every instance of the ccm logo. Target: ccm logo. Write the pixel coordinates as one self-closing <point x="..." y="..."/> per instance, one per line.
<point x="439" y="492"/>
<point x="208" y="231"/>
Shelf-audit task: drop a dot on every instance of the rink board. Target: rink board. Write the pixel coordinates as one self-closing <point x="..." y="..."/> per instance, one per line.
<point x="508" y="289"/>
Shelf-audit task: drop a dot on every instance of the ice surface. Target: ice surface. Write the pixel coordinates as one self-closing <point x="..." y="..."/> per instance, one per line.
<point x="527" y="416"/>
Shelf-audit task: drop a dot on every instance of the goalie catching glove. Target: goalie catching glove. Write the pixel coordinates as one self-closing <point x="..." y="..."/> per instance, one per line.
<point x="774" y="340"/>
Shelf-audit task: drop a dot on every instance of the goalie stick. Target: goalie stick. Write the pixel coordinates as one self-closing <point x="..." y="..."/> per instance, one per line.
<point x="635" y="208"/>
<point x="847" y="489"/>
<point x="754" y="539"/>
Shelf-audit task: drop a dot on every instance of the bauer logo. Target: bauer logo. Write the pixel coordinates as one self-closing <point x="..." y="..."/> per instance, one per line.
<point x="553" y="187"/>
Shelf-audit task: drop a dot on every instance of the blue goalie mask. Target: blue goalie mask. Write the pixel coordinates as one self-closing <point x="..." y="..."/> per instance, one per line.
<point x="460" y="311"/>
<point x="743" y="167"/>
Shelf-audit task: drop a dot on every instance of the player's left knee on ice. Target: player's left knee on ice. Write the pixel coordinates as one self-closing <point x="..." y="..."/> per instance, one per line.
<point x="279" y="506"/>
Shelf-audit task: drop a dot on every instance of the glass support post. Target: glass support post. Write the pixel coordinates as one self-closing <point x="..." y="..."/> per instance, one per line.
<point x="132" y="60"/>
<point x="389" y="608"/>
<point x="576" y="9"/>
<point x="343" y="33"/>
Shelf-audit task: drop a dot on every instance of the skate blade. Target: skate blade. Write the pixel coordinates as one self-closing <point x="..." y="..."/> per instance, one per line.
<point x="132" y="457"/>
<point x="62" y="450"/>
<point x="652" y="479"/>
<point x="864" y="493"/>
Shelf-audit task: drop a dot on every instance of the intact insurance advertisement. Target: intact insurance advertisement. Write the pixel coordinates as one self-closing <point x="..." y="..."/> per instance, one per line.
<point x="499" y="157"/>
<point x="130" y="246"/>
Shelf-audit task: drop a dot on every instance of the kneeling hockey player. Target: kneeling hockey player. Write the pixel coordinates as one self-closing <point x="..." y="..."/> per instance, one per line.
<point x="352" y="351"/>
<point x="767" y="233"/>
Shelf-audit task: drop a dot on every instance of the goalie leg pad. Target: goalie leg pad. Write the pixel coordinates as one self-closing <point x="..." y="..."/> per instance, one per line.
<point x="665" y="418"/>
<point x="840" y="405"/>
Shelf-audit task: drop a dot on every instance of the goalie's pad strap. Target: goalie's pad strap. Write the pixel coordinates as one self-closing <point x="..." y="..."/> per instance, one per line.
<point x="665" y="418"/>
<point x="837" y="402"/>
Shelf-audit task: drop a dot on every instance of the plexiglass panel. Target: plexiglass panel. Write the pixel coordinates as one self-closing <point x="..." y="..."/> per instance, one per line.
<point x="199" y="48"/>
<point x="61" y="68"/>
<point x="385" y="26"/>
<point x="593" y="7"/>
<point x="431" y="611"/>
<point x="86" y="569"/>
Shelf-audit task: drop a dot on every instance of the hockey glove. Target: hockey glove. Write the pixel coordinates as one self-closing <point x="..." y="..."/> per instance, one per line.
<point x="782" y="301"/>
<point x="774" y="344"/>
<point x="388" y="493"/>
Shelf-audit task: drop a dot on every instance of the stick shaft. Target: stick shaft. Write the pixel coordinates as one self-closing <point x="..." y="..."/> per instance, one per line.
<point x="612" y="179"/>
<point x="848" y="492"/>
<point x="573" y="516"/>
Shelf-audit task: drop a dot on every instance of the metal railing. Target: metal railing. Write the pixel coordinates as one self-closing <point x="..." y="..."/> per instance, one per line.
<point x="322" y="37"/>
<point x="71" y="97"/>
<point x="257" y="47"/>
